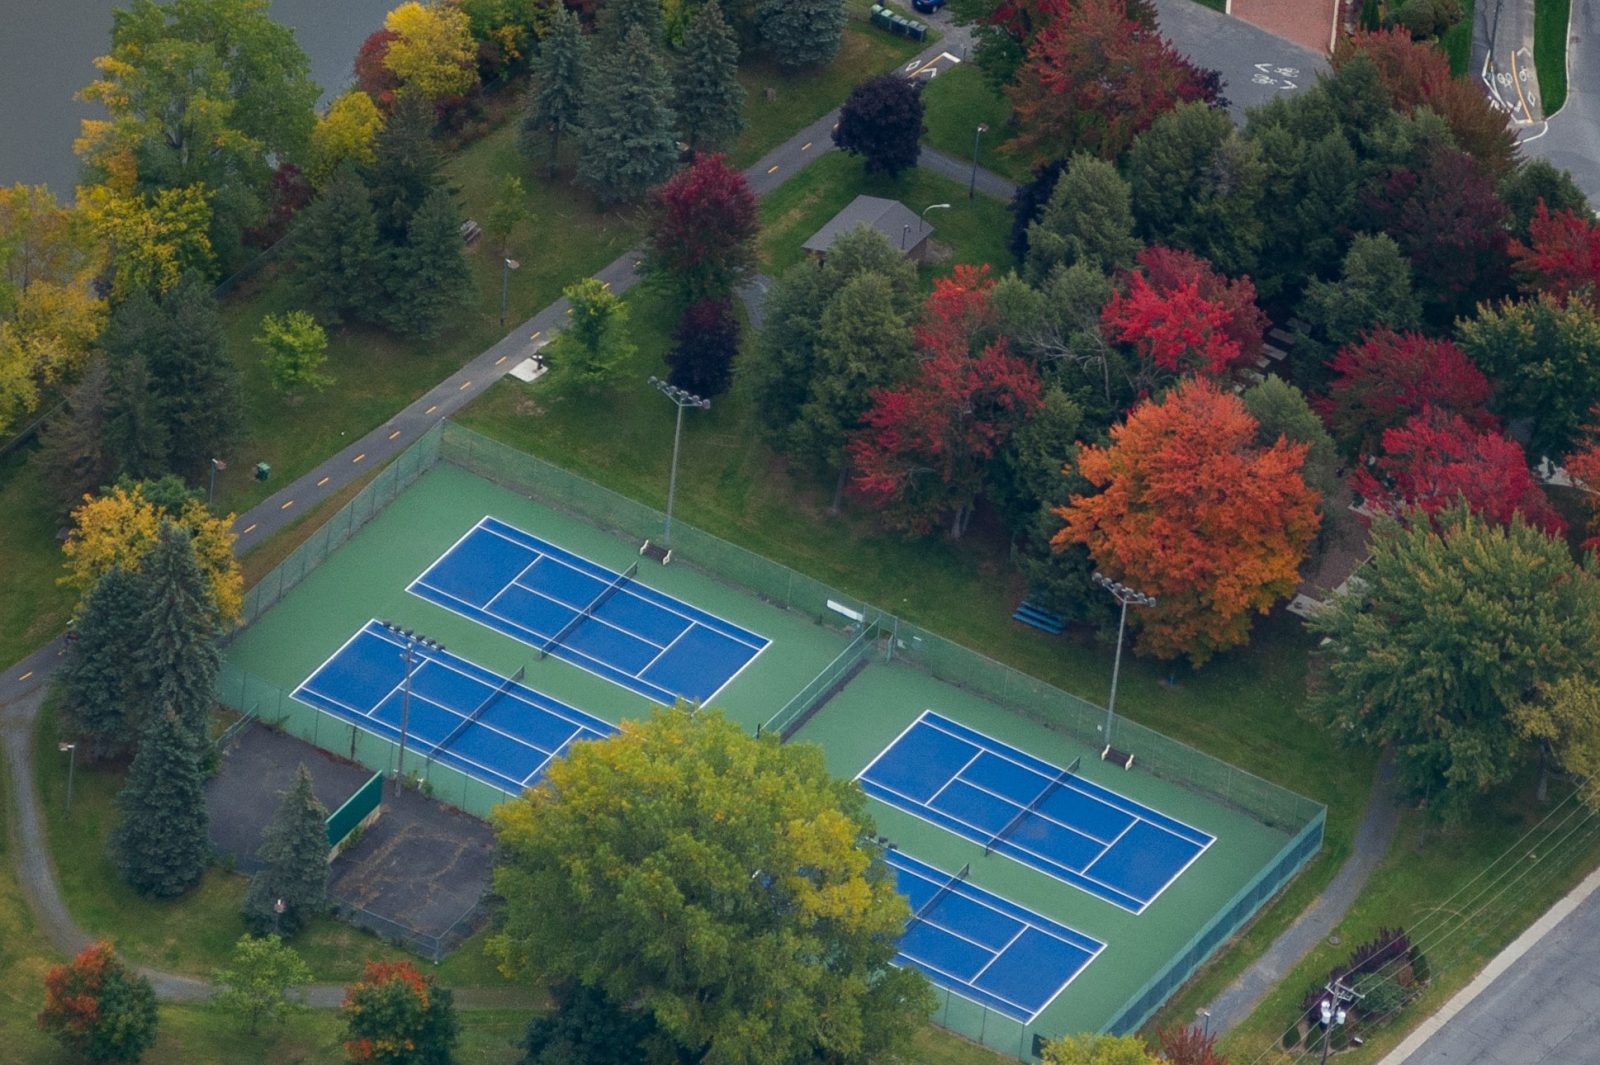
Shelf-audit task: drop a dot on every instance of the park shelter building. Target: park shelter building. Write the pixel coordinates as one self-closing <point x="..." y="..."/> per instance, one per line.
<point x="898" y="223"/>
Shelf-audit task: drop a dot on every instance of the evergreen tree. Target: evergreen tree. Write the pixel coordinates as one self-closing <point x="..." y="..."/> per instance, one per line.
<point x="619" y="18"/>
<point x="1029" y="201"/>
<point x="626" y="146"/>
<point x="95" y="684"/>
<point x="336" y="250"/>
<point x="194" y="381"/>
<point x="294" y="853"/>
<point x="135" y="434"/>
<point x="708" y="94"/>
<point x="75" y="452"/>
<point x="1088" y="218"/>
<point x="1374" y="291"/>
<point x="176" y="667"/>
<point x="430" y="277"/>
<point x="161" y="844"/>
<point x="801" y="33"/>
<point x="1534" y="181"/>
<point x="556" y="103"/>
<point x="405" y="168"/>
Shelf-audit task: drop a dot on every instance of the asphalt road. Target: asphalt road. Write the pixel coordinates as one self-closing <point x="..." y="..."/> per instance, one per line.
<point x="1570" y="139"/>
<point x="1544" y="1010"/>
<point x="1256" y="65"/>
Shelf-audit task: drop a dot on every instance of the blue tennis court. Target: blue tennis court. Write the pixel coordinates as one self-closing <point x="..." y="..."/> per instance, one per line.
<point x="583" y="613"/>
<point x="1034" y="812"/>
<point x="461" y="714"/>
<point x="985" y="948"/>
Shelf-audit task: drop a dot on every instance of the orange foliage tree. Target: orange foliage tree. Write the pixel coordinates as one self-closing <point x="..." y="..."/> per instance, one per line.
<point x="394" y="1015"/>
<point x="97" y="1009"/>
<point x="1191" y="510"/>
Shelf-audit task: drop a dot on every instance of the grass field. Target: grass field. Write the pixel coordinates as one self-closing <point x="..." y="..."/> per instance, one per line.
<point x="1550" y="18"/>
<point x="957" y="101"/>
<point x="1457" y="41"/>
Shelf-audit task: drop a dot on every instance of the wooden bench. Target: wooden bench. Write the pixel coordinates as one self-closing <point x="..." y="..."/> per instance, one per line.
<point x="1116" y="757"/>
<point x="470" y="231"/>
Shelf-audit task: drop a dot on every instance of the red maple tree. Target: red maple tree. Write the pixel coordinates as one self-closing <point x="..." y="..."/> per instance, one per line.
<point x="1186" y="1045"/>
<point x="924" y="445"/>
<point x="703" y="229"/>
<point x="97" y="1009"/>
<point x="373" y="75"/>
<point x="1093" y="80"/>
<point x="1389" y="376"/>
<point x="1192" y="510"/>
<point x="1583" y="466"/>
<point x="1437" y="458"/>
<point x="1562" y="256"/>
<point x="1183" y="316"/>
<point x="1166" y="267"/>
<point x="1417" y="74"/>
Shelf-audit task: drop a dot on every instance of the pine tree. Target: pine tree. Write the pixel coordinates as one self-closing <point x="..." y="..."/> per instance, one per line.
<point x="709" y="96"/>
<point x="135" y="435"/>
<point x="626" y="146"/>
<point x="430" y="277"/>
<point x="194" y="381"/>
<point x="294" y="851"/>
<point x="74" y="453"/>
<point x="95" y="680"/>
<point x="176" y="666"/>
<point x="801" y="33"/>
<point x="336" y="248"/>
<point x="405" y="168"/>
<point x="161" y="844"/>
<point x="619" y="18"/>
<point x="556" y="104"/>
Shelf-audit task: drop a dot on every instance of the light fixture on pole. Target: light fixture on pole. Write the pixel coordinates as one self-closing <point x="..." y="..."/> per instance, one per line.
<point x="505" y="285"/>
<point x="211" y="488"/>
<point x="1126" y="596"/>
<point x="413" y="640"/>
<point x="972" y="185"/>
<point x="71" y="751"/>
<point x="682" y="398"/>
<point x="278" y="909"/>
<point x="925" y="210"/>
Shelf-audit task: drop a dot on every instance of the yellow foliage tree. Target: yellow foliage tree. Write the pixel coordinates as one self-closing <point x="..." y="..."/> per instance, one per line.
<point x="432" y="52"/>
<point x="344" y="134"/>
<point x="152" y="240"/>
<point x="1564" y="716"/>
<point x="1099" y="1050"/>
<point x="119" y="527"/>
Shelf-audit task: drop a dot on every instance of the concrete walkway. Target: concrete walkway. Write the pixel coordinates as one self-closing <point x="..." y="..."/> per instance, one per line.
<point x="1373" y="837"/>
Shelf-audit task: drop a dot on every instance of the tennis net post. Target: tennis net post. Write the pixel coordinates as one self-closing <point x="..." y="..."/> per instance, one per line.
<point x="594" y="604"/>
<point x="1022" y="814"/>
<point x="477" y="712"/>
<point x="938" y="896"/>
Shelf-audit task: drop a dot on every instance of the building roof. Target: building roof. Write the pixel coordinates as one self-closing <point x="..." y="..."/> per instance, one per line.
<point x="889" y="217"/>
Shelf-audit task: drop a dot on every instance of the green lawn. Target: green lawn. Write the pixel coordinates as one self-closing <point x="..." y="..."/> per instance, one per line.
<point x="1550" y="19"/>
<point x="1457" y="41"/>
<point x="976" y="231"/>
<point x="33" y="607"/>
<point x="957" y="101"/>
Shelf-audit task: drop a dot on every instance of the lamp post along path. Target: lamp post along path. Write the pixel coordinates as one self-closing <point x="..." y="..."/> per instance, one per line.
<point x="682" y="398"/>
<point x="1125" y="596"/>
<point x="972" y="183"/>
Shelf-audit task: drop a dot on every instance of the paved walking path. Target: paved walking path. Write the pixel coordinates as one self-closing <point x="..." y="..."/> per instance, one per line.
<point x="1373" y="836"/>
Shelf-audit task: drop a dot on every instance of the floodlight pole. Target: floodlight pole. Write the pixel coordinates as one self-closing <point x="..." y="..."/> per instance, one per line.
<point x="412" y="639"/>
<point x="972" y="185"/>
<point x="1124" y="595"/>
<point x="681" y="398"/>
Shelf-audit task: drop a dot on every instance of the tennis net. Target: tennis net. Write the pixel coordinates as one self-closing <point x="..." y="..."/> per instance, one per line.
<point x="1022" y="814"/>
<point x="478" y="711"/>
<point x="938" y="896"/>
<point x="594" y="604"/>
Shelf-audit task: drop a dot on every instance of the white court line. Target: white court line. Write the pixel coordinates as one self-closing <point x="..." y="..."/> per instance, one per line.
<point x="564" y="605"/>
<point x="459" y="540"/>
<point x="515" y="582"/>
<point x="953" y="777"/>
<point x="664" y="649"/>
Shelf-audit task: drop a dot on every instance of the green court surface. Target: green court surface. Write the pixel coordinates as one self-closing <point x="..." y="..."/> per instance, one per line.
<point x="358" y="565"/>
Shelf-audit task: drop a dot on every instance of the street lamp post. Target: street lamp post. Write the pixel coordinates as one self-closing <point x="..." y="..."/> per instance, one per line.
<point x="277" y="917"/>
<point x="505" y="285"/>
<point x="413" y="639"/>
<point x="972" y="185"/>
<point x="682" y="398"/>
<point x="211" y="488"/>
<point x="925" y="210"/>
<point x="71" y="751"/>
<point x="1126" y="596"/>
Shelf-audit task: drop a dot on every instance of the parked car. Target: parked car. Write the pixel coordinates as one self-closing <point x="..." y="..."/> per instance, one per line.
<point x="927" y="7"/>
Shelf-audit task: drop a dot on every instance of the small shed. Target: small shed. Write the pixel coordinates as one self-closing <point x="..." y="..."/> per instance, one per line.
<point x="898" y="223"/>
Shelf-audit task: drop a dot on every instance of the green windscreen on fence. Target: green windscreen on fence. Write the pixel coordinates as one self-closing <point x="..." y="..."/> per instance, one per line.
<point x="355" y="809"/>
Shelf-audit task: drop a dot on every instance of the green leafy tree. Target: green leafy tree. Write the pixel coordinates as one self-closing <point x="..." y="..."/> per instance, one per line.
<point x="509" y="211"/>
<point x="881" y="121"/>
<point x="1373" y="291"/>
<point x="556" y="103"/>
<point x="1057" y="325"/>
<point x="1564" y="719"/>
<point x="801" y="33"/>
<point x="1282" y="410"/>
<point x="256" y="984"/>
<point x="336" y="251"/>
<point x="626" y="146"/>
<point x="97" y="1009"/>
<point x="1545" y="357"/>
<point x="586" y="1027"/>
<point x="1455" y="624"/>
<point x="1088" y="218"/>
<point x="296" y="352"/>
<point x="1099" y="1050"/>
<point x="343" y="136"/>
<point x="200" y="92"/>
<point x="430" y="277"/>
<point x="294" y="858"/>
<point x="595" y="341"/>
<point x="95" y="681"/>
<point x="708" y="96"/>
<point x="738" y="901"/>
<point x="176" y="668"/>
<point x="1534" y="181"/>
<point x="394" y="1015"/>
<point x="1309" y="192"/>
<point x="162" y="844"/>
